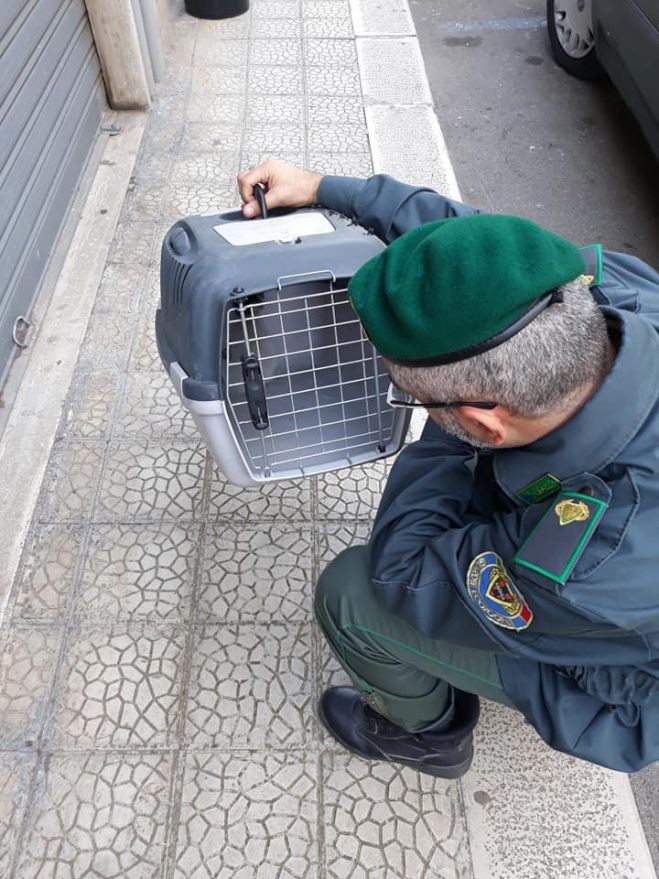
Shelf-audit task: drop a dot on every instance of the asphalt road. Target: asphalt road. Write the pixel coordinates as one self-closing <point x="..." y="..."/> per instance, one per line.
<point x="525" y="138"/>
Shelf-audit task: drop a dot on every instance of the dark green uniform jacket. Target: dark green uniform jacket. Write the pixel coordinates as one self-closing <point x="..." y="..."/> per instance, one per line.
<point x="563" y="588"/>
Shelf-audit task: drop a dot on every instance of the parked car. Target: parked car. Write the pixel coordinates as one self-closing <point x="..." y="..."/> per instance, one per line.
<point x="619" y="37"/>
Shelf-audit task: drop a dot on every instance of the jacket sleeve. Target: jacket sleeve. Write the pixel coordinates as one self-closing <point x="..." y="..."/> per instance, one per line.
<point x="631" y="284"/>
<point x="387" y="206"/>
<point x="422" y="548"/>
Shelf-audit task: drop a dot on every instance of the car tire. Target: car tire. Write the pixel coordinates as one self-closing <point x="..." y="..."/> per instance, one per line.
<point x="571" y="35"/>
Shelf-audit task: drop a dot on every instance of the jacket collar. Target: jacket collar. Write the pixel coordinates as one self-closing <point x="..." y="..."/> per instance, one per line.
<point x="597" y="434"/>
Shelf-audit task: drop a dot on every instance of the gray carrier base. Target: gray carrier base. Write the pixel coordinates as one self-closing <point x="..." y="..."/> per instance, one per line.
<point x="264" y="348"/>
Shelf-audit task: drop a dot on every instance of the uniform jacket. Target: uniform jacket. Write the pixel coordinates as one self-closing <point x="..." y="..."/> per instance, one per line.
<point x="581" y="659"/>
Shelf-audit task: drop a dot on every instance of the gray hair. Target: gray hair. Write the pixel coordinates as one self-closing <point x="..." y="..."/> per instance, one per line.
<point x="541" y="370"/>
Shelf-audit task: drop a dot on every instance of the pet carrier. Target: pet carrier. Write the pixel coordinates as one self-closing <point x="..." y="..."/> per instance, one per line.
<point x="260" y="340"/>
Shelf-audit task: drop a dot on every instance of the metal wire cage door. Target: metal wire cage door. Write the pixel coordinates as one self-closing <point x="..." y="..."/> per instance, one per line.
<point x="305" y="389"/>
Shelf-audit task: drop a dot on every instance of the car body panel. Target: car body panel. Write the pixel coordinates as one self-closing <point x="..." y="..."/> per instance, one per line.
<point x="627" y="45"/>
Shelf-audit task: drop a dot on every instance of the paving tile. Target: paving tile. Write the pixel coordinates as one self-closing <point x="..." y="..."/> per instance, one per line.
<point x="214" y="51"/>
<point x="144" y="354"/>
<point x="223" y="164"/>
<point x="277" y="500"/>
<point x="138" y="572"/>
<point x="229" y="28"/>
<point x="118" y="688"/>
<point x="333" y="82"/>
<point x="121" y="285"/>
<point x="225" y="109"/>
<point x="150" y="299"/>
<point x="91" y="404"/>
<point x="346" y="164"/>
<point x="328" y="110"/>
<point x="276" y="27"/>
<point x="275" y="51"/>
<point x="151" y="408"/>
<point x="330" y="53"/>
<point x="27" y="665"/>
<point x="250" y="158"/>
<point x="143" y="203"/>
<point x="133" y="239"/>
<point x="352" y="493"/>
<point x="250" y="687"/>
<point x="332" y="538"/>
<point x="389" y="822"/>
<point x="98" y="816"/>
<point x="339" y="25"/>
<point x="261" y="138"/>
<point x="204" y="197"/>
<point x="226" y="29"/>
<point x="266" y="10"/>
<point x="162" y="135"/>
<point x="144" y="481"/>
<point x="247" y="816"/>
<point x="257" y="573"/>
<point x="213" y="82"/>
<point x="201" y="137"/>
<point x="70" y="482"/>
<point x="107" y="341"/>
<point x="286" y="110"/>
<point x="264" y="79"/>
<point x="338" y="139"/>
<point x="46" y="574"/>
<point x="15" y="776"/>
<point x="172" y="91"/>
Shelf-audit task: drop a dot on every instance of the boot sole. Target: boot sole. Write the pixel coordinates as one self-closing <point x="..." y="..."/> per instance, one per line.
<point x="448" y="772"/>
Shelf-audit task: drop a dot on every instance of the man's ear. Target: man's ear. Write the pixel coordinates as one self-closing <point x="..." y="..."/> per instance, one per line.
<point x="489" y="426"/>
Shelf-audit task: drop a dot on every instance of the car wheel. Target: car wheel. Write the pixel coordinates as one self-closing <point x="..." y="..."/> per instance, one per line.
<point x="572" y="38"/>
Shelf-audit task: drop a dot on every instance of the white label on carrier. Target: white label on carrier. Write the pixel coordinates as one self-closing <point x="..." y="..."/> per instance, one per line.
<point x="284" y="229"/>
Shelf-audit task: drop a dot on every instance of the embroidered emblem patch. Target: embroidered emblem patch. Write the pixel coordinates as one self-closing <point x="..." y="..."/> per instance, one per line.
<point x="540" y="489"/>
<point x="490" y="587"/>
<point x="571" y="511"/>
<point x="586" y="280"/>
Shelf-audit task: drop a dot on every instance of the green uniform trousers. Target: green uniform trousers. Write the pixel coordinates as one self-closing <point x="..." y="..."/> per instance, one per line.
<point x="403" y="675"/>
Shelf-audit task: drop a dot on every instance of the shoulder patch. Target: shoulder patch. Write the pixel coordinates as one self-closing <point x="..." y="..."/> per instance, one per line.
<point x="592" y="255"/>
<point x="490" y="587"/>
<point x="556" y="543"/>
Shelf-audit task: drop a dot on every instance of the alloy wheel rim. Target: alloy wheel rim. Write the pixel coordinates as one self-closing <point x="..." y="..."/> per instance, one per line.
<point x="574" y="26"/>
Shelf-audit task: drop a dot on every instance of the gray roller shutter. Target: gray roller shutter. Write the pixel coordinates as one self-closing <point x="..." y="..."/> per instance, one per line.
<point x="51" y="99"/>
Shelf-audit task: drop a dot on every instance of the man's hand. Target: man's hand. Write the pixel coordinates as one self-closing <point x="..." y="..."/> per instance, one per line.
<point x="287" y="186"/>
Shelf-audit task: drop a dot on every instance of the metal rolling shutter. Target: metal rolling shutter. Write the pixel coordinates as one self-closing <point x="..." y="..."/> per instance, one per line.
<point x="51" y="99"/>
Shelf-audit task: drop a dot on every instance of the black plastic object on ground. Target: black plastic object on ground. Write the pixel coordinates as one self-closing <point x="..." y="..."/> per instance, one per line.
<point x="216" y="8"/>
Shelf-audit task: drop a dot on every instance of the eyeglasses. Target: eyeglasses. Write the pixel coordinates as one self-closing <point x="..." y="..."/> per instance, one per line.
<point x="400" y="399"/>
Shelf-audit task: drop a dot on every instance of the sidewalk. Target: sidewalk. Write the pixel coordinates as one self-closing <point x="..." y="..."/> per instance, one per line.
<point x="159" y="665"/>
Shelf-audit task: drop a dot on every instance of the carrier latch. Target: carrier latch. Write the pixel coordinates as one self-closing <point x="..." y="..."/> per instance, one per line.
<point x="255" y="391"/>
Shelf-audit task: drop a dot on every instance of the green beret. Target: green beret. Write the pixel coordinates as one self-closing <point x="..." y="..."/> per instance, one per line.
<point x="451" y="289"/>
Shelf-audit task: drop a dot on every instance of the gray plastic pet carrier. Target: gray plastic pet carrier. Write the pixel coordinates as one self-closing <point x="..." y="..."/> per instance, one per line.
<point x="260" y="340"/>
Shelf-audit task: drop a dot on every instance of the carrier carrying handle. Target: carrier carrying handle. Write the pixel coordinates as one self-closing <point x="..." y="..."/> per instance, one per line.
<point x="259" y="192"/>
<point x="285" y="280"/>
<point x="255" y="391"/>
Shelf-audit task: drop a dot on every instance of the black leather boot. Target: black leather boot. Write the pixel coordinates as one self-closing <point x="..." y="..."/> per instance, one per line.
<point x="360" y="729"/>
